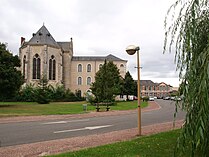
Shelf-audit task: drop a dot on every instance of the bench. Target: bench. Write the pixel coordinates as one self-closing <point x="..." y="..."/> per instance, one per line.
<point x="102" y="107"/>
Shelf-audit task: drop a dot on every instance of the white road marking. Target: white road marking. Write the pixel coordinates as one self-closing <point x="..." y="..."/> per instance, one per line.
<point x="64" y="122"/>
<point x="86" y="128"/>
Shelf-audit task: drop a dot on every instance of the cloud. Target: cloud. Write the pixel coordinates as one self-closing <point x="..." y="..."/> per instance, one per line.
<point x="97" y="28"/>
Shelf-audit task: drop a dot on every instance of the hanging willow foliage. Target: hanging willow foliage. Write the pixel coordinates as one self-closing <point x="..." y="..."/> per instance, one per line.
<point x="187" y="33"/>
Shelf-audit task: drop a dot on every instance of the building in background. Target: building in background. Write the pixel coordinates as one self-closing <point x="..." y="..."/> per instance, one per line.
<point x="151" y="89"/>
<point x="43" y="56"/>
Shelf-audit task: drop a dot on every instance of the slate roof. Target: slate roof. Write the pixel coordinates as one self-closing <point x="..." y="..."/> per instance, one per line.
<point x="64" y="45"/>
<point x="150" y="83"/>
<point x="147" y="83"/>
<point x="43" y="37"/>
<point x="109" y="57"/>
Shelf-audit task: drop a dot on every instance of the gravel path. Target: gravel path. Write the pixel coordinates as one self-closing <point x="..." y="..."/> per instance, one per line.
<point x="76" y="143"/>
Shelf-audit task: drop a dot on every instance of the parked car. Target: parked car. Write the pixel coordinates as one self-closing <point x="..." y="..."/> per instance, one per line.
<point x="173" y="98"/>
<point x="151" y="98"/>
<point x="166" y="98"/>
<point x="177" y="98"/>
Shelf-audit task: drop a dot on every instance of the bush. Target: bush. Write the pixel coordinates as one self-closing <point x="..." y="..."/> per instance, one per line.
<point x="27" y="93"/>
<point x="146" y="98"/>
<point x="42" y="96"/>
<point x="45" y="94"/>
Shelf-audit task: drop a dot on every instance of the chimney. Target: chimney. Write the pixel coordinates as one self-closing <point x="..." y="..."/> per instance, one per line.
<point x="22" y="41"/>
<point x="71" y="44"/>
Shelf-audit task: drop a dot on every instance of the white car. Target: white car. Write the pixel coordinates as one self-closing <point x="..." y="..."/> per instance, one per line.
<point x="151" y="98"/>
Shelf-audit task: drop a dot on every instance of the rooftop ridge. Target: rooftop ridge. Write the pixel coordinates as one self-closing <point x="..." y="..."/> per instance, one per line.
<point x="43" y="37"/>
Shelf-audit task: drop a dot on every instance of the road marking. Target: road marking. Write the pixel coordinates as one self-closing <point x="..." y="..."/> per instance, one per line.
<point x="86" y="128"/>
<point x="64" y="122"/>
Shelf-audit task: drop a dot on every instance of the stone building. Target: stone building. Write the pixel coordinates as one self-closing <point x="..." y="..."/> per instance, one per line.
<point x="43" y="56"/>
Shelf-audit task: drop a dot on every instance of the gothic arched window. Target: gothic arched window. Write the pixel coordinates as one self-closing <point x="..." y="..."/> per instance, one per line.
<point x="36" y="67"/>
<point x="24" y="63"/>
<point x="52" y="68"/>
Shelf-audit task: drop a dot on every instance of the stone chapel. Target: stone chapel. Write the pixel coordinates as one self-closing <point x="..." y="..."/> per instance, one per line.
<point x="42" y="56"/>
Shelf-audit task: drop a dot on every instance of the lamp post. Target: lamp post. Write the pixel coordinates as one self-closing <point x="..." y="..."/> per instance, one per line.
<point x="131" y="50"/>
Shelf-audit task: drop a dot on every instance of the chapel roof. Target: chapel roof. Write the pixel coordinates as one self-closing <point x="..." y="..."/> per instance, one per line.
<point x="43" y="37"/>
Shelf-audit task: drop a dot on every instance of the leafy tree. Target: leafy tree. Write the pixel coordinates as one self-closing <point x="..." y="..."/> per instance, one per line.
<point x="43" y="92"/>
<point x="106" y="83"/>
<point x="189" y="32"/>
<point x="121" y="86"/>
<point x="10" y="78"/>
<point x="135" y="88"/>
<point x="129" y="85"/>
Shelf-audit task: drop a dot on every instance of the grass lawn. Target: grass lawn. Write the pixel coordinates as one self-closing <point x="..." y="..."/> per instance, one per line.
<point x="55" y="108"/>
<point x="158" y="145"/>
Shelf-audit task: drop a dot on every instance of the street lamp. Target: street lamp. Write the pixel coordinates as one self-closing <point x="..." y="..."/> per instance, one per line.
<point x="131" y="50"/>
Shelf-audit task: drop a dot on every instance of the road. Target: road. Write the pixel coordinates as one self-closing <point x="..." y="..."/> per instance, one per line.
<point x="38" y="131"/>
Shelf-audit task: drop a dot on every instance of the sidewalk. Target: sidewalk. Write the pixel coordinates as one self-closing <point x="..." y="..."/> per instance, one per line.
<point x="76" y="143"/>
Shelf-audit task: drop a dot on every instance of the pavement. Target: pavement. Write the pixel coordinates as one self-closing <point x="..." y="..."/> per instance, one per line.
<point x="77" y="143"/>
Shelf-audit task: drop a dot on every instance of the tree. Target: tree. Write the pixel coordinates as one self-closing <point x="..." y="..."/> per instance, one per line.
<point x="10" y="78"/>
<point x="129" y="85"/>
<point x="43" y="91"/>
<point x="107" y="82"/>
<point x="189" y="32"/>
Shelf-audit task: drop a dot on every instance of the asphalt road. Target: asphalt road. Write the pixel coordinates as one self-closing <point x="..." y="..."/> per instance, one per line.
<point x="37" y="131"/>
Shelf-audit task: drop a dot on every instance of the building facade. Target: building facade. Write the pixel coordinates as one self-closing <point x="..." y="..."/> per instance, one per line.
<point x="160" y="90"/>
<point x="43" y="56"/>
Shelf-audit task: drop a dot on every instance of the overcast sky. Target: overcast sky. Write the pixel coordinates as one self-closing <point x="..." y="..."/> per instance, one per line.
<point x="98" y="27"/>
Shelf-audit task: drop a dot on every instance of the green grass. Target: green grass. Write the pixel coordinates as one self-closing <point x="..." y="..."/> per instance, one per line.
<point x="158" y="145"/>
<point x="55" y="108"/>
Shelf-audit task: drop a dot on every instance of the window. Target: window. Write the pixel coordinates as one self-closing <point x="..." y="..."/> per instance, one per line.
<point x="89" y="68"/>
<point x="78" y="93"/>
<point x="52" y="68"/>
<point x="88" y="80"/>
<point x="36" y="67"/>
<point x="79" y="68"/>
<point x="121" y="65"/>
<point x="24" y="63"/>
<point x="100" y="65"/>
<point x="79" y="81"/>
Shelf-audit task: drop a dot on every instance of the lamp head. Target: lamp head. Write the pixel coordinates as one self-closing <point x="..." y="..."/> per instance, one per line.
<point x="131" y="49"/>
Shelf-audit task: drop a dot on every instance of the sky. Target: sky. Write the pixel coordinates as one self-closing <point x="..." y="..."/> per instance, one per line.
<point x="98" y="27"/>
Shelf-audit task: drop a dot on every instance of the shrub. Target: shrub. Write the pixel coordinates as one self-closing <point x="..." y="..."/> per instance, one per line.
<point x="146" y="98"/>
<point x="27" y="93"/>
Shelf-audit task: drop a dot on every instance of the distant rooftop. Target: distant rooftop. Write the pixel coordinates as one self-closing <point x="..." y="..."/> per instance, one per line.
<point x="151" y="83"/>
<point x="110" y="57"/>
